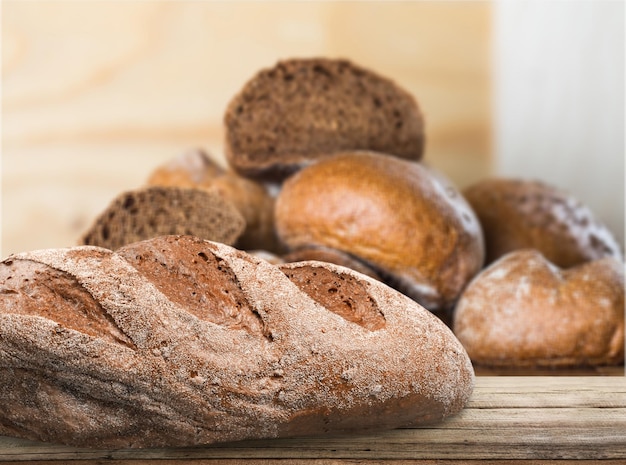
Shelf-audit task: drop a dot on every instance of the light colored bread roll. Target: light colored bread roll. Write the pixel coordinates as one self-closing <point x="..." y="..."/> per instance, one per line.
<point x="417" y="232"/>
<point x="519" y="213"/>
<point x="522" y="310"/>
<point x="178" y="341"/>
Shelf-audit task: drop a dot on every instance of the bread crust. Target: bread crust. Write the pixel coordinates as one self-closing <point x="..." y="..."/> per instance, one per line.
<point x="269" y="361"/>
<point x="523" y="311"/>
<point x="417" y="232"/>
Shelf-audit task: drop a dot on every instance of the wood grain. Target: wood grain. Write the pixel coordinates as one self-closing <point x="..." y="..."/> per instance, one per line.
<point x="97" y="94"/>
<point x="513" y="418"/>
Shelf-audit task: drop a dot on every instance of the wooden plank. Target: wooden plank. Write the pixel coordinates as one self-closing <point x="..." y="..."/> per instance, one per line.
<point x="513" y="418"/>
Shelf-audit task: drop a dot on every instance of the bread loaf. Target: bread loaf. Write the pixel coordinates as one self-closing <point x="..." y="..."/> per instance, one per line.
<point x="520" y="213"/>
<point x="177" y="341"/>
<point x="522" y="311"/>
<point x="301" y="110"/>
<point x="414" y="230"/>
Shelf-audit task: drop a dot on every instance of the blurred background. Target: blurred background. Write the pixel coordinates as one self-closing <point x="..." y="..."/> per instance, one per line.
<point x="96" y="94"/>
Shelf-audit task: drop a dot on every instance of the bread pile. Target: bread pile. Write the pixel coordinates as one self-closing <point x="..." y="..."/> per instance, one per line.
<point x="325" y="162"/>
<point x="300" y="289"/>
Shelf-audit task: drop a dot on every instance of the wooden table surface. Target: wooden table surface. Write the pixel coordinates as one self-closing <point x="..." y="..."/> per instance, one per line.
<point x="96" y="94"/>
<point x="529" y="419"/>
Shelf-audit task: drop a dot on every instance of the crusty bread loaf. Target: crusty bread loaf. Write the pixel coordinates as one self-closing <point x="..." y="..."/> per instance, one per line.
<point x="153" y="211"/>
<point x="417" y="232"/>
<point x="303" y="109"/>
<point x="524" y="311"/>
<point x="522" y="213"/>
<point x="196" y="169"/>
<point x="178" y="341"/>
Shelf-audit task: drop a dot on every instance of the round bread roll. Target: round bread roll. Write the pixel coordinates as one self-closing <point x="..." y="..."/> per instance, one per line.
<point x="195" y="169"/>
<point x="303" y="109"/>
<point x="518" y="214"/>
<point x="418" y="233"/>
<point x="524" y="311"/>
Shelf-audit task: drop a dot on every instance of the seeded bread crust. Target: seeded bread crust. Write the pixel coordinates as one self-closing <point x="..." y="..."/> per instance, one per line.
<point x="153" y="211"/>
<point x="523" y="311"/>
<point x="301" y="110"/>
<point x="178" y="341"/>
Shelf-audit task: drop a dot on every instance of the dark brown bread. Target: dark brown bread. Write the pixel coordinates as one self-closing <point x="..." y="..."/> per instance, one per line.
<point x="414" y="229"/>
<point x="303" y="109"/>
<point x="524" y="311"/>
<point x="154" y="211"/>
<point x="519" y="213"/>
<point x="178" y="341"/>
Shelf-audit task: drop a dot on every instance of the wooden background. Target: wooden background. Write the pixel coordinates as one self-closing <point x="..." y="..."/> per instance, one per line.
<point x="96" y="94"/>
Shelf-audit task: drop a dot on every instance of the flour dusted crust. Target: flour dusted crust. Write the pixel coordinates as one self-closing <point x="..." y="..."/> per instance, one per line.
<point x="524" y="311"/>
<point x="522" y="213"/>
<point x="178" y="341"/>
<point x="414" y="229"/>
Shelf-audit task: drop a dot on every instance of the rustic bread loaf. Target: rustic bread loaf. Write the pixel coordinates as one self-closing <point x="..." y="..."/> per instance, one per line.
<point x="304" y="109"/>
<point x="524" y="311"/>
<point x="520" y="213"/>
<point x="154" y="211"/>
<point x="417" y="232"/>
<point x="178" y="341"/>
<point x="196" y="169"/>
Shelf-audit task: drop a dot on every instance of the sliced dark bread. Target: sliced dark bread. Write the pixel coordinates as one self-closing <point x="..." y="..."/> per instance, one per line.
<point x="156" y="211"/>
<point x="304" y="109"/>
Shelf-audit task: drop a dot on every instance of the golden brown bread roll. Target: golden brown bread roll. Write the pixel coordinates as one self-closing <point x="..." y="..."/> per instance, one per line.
<point x="196" y="169"/>
<point x="178" y="341"/>
<point x="418" y="233"/>
<point x="524" y="311"/>
<point x="519" y="213"/>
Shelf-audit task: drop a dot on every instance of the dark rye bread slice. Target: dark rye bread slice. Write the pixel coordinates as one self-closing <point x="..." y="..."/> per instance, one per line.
<point x="303" y="109"/>
<point x="157" y="211"/>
